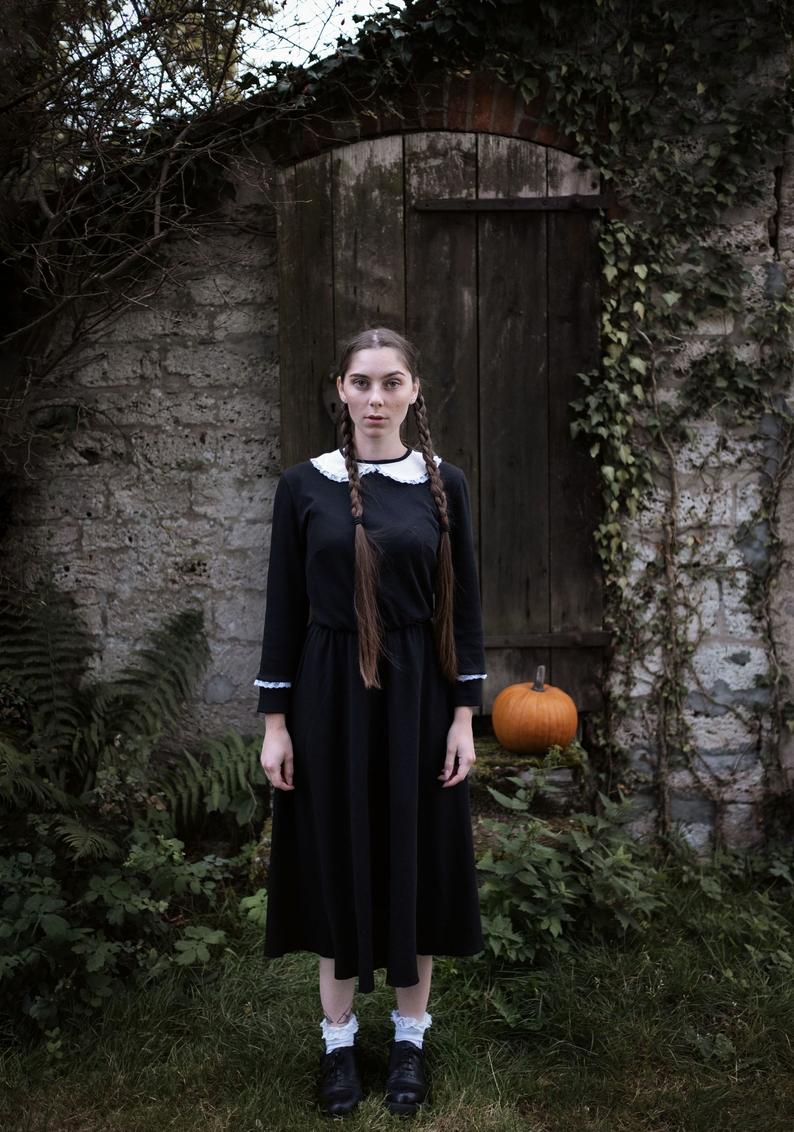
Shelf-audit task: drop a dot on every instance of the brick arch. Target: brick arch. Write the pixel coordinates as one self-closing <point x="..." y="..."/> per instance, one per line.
<point x="477" y="101"/>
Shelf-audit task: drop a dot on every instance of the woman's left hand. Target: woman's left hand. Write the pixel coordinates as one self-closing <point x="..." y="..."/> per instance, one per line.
<point x="460" y="744"/>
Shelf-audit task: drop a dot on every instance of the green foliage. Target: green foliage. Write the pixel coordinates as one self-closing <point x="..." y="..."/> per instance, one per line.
<point x="224" y="782"/>
<point x="552" y="899"/>
<point x="545" y="888"/>
<point x="72" y="934"/>
<point x="97" y="886"/>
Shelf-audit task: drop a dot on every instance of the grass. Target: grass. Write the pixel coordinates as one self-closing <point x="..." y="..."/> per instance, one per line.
<point x="680" y="1029"/>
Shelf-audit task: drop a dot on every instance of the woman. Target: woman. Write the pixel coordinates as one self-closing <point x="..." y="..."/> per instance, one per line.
<point x="368" y="710"/>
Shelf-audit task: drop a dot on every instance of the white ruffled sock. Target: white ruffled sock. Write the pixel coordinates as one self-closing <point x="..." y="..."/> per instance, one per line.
<point x="410" y="1029"/>
<point x="338" y="1036"/>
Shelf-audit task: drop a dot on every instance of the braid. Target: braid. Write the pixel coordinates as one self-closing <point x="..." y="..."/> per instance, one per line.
<point x="445" y="575"/>
<point x="365" y="604"/>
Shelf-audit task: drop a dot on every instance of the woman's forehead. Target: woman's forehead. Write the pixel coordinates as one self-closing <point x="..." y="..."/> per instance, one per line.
<point x="382" y="361"/>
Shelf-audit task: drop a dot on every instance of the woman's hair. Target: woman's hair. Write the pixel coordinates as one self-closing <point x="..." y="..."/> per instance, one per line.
<point x="370" y="627"/>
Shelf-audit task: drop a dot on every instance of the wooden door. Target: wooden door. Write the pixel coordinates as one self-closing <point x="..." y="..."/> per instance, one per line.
<point x="430" y="233"/>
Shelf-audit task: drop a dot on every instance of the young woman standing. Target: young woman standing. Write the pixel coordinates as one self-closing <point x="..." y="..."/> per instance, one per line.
<point x="372" y="661"/>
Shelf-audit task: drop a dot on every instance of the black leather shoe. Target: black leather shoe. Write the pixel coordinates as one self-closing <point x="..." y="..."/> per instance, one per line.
<point x="339" y="1088"/>
<point x="407" y="1086"/>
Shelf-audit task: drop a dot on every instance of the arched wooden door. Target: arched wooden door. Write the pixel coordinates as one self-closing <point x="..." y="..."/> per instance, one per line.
<point x="442" y="236"/>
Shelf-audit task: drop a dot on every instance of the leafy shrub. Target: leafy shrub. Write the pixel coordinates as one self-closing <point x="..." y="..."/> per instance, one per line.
<point x="546" y="887"/>
<point x="97" y="888"/>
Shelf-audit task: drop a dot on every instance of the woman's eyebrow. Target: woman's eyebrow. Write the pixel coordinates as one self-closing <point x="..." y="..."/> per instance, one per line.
<point x="394" y="373"/>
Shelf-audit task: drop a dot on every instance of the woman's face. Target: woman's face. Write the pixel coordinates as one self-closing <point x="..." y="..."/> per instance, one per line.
<point x="378" y="390"/>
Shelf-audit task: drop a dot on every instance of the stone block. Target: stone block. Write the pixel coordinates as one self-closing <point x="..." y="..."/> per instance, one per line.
<point x="698" y="506"/>
<point x="703" y="614"/>
<point x="165" y="497"/>
<point x="739" y="779"/>
<point x="222" y="289"/>
<point x="720" y="698"/>
<point x="111" y="538"/>
<point x="56" y="541"/>
<point x="737" y="619"/>
<point x="150" y="321"/>
<point x="115" y="364"/>
<point x="711" y="446"/>
<point x="218" y="689"/>
<point x="217" y="494"/>
<point x="243" y="536"/>
<point x="715" y="733"/>
<point x="76" y="498"/>
<point x="244" y="322"/>
<point x="233" y="362"/>
<point x="241" y="616"/>
<point x="742" y="826"/>
<point x="191" y="448"/>
<point x="698" y="835"/>
<point x="718" y="549"/>
<point x="691" y="808"/>
<point x="717" y="324"/>
<point x="735" y="665"/>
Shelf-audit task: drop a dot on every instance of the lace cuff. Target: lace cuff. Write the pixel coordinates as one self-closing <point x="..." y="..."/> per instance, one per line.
<point x="272" y="684"/>
<point x="476" y="676"/>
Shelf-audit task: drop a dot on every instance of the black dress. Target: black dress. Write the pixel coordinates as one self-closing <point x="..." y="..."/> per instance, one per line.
<point x="372" y="859"/>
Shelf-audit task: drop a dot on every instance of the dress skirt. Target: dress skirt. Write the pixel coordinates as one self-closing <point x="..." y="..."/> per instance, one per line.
<point x="372" y="858"/>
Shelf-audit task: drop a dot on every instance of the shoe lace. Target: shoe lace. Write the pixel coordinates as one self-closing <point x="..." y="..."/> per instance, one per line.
<point x="406" y="1059"/>
<point x="334" y="1070"/>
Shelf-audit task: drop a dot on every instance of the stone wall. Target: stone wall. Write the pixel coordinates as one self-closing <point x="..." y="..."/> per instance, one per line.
<point x="160" y="498"/>
<point x="719" y="784"/>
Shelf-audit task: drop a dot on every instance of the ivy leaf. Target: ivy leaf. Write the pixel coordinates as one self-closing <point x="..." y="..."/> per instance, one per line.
<point x="671" y="297"/>
<point x="639" y="308"/>
<point x="637" y="363"/>
<point x="641" y="270"/>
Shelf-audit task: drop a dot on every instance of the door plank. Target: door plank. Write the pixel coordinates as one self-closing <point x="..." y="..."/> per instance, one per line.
<point x="513" y="404"/>
<point x="305" y="287"/>
<point x="441" y="288"/>
<point x="576" y="599"/>
<point x="369" y="273"/>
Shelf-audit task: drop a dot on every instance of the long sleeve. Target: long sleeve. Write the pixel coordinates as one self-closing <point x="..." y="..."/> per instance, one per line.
<point x="287" y="605"/>
<point x="467" y="610"/>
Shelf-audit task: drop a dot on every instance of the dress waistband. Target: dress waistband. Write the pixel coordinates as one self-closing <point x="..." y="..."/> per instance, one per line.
<point x="387" y="629"/>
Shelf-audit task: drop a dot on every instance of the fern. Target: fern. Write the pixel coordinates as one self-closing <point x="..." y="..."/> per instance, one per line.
<point x="84" y="842"/>
<point x="81" y="746"/>
<point x="44" y="652"/>
<point x="223" y="782"/>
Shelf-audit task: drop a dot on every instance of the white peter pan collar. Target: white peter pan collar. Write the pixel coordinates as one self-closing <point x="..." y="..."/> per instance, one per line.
<point x="405" y="469"/>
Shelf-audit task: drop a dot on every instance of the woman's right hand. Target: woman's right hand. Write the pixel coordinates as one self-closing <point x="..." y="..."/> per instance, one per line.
<point x="276" y="758"/>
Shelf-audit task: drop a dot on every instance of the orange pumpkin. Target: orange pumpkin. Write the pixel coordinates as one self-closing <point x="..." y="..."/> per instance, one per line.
<point x="530" y="718"/>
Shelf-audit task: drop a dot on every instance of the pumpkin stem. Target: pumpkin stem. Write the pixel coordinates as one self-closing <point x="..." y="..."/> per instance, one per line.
<point x="538" y="685"/>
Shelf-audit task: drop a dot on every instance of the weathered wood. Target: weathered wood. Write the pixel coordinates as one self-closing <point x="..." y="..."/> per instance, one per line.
<point x="572" y="203"/>
<point x="574" y="498"/>
<point x="369" y="264"/>
<point x="441" y="288"/>
<point x="306" y="342"/>
<point x="513" y="395"/>
<point x="500" y="295"/>
<point x="591" y="637"/>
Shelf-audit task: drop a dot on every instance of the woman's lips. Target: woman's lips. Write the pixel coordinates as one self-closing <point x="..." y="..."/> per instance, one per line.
<point x="375" y="420"/>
